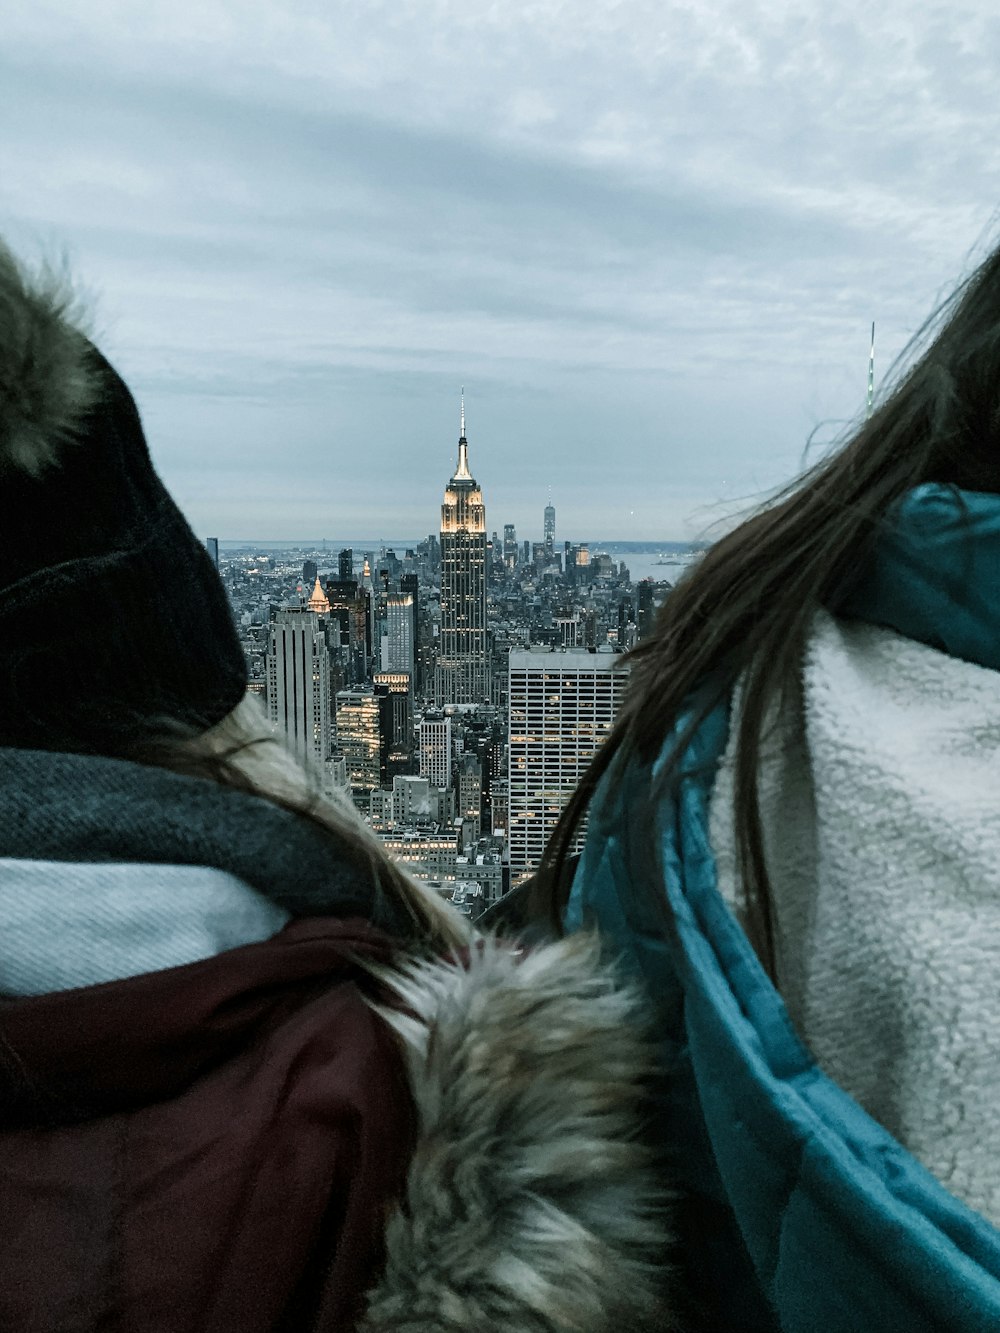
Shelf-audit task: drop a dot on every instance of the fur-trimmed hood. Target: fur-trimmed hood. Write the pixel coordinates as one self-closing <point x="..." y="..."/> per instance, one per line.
<point x="531" y="1201"/>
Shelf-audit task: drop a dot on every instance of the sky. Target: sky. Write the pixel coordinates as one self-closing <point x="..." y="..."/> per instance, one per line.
<point x="648" y="237"/>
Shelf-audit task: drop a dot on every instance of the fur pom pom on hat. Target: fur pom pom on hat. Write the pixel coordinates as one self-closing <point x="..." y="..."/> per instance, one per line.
<point x="114" y="625"/>
<point x="46" y="382"/>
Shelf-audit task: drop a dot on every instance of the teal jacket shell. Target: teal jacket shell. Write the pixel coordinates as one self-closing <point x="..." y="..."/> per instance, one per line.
<point x="798" y="1211"/>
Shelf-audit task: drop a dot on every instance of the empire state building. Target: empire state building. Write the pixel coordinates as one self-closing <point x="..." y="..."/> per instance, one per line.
<point x="462" y="675"/>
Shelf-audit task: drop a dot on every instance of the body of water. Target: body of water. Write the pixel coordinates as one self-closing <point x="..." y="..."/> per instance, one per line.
<point x="654" y="564"/>
<point x="664" y="561"/>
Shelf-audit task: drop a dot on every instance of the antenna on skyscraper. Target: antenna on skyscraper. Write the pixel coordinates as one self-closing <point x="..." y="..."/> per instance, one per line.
<point x="461" y="432"/>
<point x="871" y="376"/>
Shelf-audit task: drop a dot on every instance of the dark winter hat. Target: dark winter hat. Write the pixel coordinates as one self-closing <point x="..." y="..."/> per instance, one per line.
<point x="114" y="624"/>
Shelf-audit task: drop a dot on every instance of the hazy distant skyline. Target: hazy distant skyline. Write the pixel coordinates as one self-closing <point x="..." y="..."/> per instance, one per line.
<point x="648" y="238"/>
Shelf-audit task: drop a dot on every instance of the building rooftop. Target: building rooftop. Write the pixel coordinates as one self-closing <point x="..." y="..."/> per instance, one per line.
<point x="562" y="659"/>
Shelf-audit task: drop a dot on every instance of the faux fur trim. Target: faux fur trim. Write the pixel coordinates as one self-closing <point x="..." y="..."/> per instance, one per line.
<point x="47" y="383"/>
<point x="531" y="1204"/>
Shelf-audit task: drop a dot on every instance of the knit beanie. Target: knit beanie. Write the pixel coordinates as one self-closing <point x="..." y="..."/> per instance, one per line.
<point x="114" y="625"/>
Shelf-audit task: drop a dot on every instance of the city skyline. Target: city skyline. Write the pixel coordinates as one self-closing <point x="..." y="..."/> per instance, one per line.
<point x="454" y="690"/>
<point x="650" y="239"/>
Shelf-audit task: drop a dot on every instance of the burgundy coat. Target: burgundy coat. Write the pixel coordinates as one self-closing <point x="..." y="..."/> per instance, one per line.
<point x="210" y="1148"/>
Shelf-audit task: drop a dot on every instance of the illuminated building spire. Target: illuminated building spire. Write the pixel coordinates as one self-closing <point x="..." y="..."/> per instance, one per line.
<point x="871" y="376"/>
<point x="319" y="601"/>
<point x="462" y="472"/>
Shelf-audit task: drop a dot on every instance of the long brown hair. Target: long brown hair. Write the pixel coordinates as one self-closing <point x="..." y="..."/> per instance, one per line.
<point x="243" y="751"/>
<point x="744" y="611"/>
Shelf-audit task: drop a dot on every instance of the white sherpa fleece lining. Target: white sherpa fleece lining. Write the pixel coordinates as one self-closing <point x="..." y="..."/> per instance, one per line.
<point x="881" y="806"/>
<point x="66" y="923"/>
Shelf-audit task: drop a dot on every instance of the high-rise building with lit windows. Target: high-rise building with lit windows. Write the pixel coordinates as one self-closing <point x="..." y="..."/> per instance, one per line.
<point x="400" y="646"/>
<point x="298" y="684"/>
<point x="462" y="674"/>
<point x="347" y="607"/>
<point x="410" y="583"/>
<point x="363" y="723"/>
<point x="562" y="706"/>
<point x="550" y="530"/>
<point x="399" y="737"/>
<point x="509" y="545"/>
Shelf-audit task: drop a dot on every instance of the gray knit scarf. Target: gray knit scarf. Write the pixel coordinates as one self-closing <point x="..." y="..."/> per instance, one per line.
<point x="70" y="807"/>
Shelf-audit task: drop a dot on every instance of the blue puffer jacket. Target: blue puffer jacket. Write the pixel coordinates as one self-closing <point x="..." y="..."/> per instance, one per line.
<point x="799" y="1212"/>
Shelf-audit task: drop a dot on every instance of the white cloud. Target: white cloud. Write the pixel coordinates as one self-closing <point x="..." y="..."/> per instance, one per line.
<point x="659" y="228"/>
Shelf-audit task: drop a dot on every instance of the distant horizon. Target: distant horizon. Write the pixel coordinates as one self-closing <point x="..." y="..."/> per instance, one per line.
<point x="392" y="543"/>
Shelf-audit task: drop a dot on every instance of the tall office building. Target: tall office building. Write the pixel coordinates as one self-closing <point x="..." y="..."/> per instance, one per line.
<point x="363" y="726"/>
<point x="397" y="673"/>
<point x="470" y="793"/>
<point x="626" y="623"/>
<point x="399" y="736"/>
<point x="212" y="547"/>
<point x="370" y="597"/>
<point x="462" y="673"/>
<point x="435" y="751"/>
<point x="562" y="706"/>
<point x="298" y="684"/>
<point x="348" y="607"/>
<point x="509" y="545"/>
<point x="345" y="565"/>
<point x="549" y="532"/>
<point x="400" y="641"/>
<point x="410" y="583"/>
<point x="645" y="611"/>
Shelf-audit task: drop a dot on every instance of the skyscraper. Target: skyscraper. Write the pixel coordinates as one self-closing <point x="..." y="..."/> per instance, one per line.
<point x="400" y="646"/>
<point x="462" y="674"/>
<point x="363" y="725"/>
<point x="562" y="705"/>
<point x="435" y="751"/>
<point x="410" y="583"/>
<point x="646" y="613"/>
<point x="345" y="565"/>
<point x="212" y="547"/>
<point x="509" y="545"/>
<point x="298" y="685"/>
<point x="370" y="597"/>
<point x="550" y="530"/>
<point x="348" y="607"/>
<point x="397" y="735"/>
<point x="470" y="793"/>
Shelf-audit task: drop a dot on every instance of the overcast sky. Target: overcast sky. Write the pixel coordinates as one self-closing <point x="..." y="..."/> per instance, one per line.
<point x="649" y="237"/>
